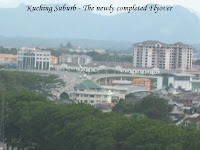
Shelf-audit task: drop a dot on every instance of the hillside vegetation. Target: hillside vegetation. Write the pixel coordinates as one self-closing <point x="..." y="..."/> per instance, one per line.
<point x="32" y="121"/>
<point x="19" y="81"/>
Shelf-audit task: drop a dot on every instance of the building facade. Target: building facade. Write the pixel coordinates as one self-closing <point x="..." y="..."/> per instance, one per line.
<point x="8" y="59"/>
<point x="176" y="81"/>
<point x="33" y="59"/>
<point x="75" y="59"/>
<point x="164" y="56"/>
<point x="91" y="93"/>
<point x="152" y="71"/>
<point x="142" y="82"/>
<point x="118" y="92"/>
<point x="54" y="60"/>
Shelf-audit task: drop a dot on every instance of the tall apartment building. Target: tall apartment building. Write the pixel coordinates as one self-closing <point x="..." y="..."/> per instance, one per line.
<point x="75" y="59"/>
<point x="160" y="55"/>
<point x="30" y="59"/>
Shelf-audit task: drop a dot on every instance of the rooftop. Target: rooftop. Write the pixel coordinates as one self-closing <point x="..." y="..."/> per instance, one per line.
<point x="155" y="43"/>
<point x="88" y="84"/>
<point x="183" y="75"/>
<point x="8" y="55"/>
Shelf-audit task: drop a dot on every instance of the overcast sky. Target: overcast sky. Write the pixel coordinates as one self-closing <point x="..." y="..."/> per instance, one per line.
<point x="193" y="5"/>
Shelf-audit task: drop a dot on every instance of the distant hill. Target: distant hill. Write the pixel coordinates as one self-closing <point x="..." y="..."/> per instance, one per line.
<point x="52" y="29"/>
<point x="55" y="42"/>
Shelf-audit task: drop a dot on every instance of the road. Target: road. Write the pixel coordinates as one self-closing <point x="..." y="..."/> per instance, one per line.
<point x="73" y="78"/>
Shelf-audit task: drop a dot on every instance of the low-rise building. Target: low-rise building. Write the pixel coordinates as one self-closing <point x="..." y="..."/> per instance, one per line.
<point x="96" y="69"/>
<point x="177" y="113"/>
<point x="118" y="92"/>
<point x="176" y="80"/>
<point x="54" y="60"/>
<point x="75" y="59"/>
<point x="100" y="51"/>
<point x="91" y="93"/>
<point x="8" y="59"/>
<point x="195" y="118"/>
<point x="142" y="82"/>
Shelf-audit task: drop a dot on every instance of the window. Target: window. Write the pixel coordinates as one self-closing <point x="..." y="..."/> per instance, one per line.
<point x="105" y="96"/>
<point x="85" y="95"/>
<point x="98" y="96"/>
<point x="91" y="95"/>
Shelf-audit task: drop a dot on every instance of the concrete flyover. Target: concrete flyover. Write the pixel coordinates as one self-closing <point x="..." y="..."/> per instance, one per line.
<point x="108" y="78"/>
<point x="138" y="91"/>
<point x="97" y="77"/>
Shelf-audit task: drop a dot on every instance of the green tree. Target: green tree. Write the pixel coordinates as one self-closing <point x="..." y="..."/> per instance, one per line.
<point x="154" y="108"/>
<point x="64" y="96"/>
<point x="124" y="106"/>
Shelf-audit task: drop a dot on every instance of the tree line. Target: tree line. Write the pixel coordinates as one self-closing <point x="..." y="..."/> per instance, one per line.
<point x="151" y="107"/>
<point x="19" y="81"/>
<point x="31" y="121"/>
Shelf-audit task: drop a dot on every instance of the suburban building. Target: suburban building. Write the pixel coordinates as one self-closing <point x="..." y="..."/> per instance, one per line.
<point x="176" y="81"/>
<point x="91" y="93"/>
<point x="75" y="59"/>
<point x="195" y="118"/>
<point x="142" y="82"/>
<point x="177" y="113"/>
<point x="54" y="60"/>
<point x="118" y="92"/>
<point x="30" y="59"/>
<point x="89" y="68"/>
<point x="138" y="82"/>
<point x="8" y="59"/>
<point x="164" y="56"/>
<point x="100" y="51"/>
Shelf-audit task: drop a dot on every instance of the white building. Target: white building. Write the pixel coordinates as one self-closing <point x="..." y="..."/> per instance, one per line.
<point x="75" y="59"/>
<point x="30" y="59"/>
<point x="176" y="80"/>
<point x="164" y="56"/>
<point x="91" y="93"/>
<point x="118" y="92"/>
<point x="100" y="51"/>
<point x="152" y="71"/>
